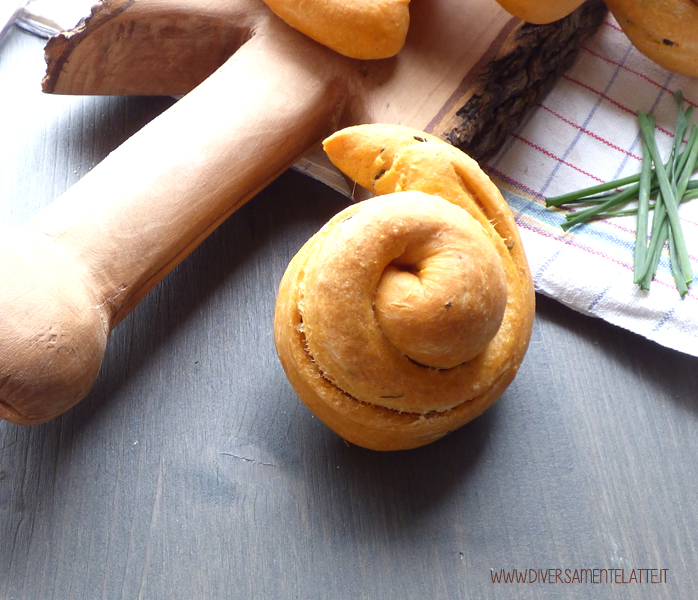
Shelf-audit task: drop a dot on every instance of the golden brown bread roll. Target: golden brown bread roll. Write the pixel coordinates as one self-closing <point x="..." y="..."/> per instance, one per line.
<point x="540" y="11"/>
<point x="408" y="314"/>
<point x="365" y="29"/>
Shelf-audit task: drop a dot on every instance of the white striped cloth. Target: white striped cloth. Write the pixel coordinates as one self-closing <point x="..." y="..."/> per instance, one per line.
<point x="585" y="132"/>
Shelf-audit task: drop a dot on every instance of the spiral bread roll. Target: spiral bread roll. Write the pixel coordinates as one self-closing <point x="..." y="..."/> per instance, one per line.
<point x="408" y="314"/>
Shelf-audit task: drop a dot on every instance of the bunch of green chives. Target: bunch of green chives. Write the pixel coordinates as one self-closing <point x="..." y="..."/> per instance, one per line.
<point x="659" y="187"/>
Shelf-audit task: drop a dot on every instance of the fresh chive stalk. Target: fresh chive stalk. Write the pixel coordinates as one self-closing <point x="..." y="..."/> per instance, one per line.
<point x="612" y="202"/>
<point x="591" y="191"/>
<point x="643" y="205"/>
<point x="676" y="270"/>
<point x="689" y="165"/>
<point x="623" y="212"/>
<point x="660" y="231"/>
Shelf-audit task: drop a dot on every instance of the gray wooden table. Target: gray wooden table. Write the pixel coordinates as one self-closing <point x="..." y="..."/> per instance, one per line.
<point x="193" y="471"/>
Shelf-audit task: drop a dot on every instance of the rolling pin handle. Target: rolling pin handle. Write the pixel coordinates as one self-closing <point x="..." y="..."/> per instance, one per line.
<point x="80" y="266"/>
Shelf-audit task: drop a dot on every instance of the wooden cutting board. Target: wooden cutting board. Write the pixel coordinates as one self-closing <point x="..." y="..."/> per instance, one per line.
<point x="468" y="70"/>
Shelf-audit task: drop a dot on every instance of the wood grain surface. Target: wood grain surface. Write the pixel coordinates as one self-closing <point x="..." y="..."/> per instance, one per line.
<point x="193" y="471"/>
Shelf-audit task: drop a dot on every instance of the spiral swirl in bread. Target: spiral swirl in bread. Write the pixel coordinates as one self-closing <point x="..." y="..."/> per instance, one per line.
<point x="408" y="314"/>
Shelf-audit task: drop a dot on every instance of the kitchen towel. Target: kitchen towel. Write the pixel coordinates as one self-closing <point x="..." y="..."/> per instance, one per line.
<point x="586" y="131"/>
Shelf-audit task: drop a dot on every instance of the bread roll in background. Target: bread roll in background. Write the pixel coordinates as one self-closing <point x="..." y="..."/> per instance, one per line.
<point x="364" y="29"/>
<point x="408" y="314"/>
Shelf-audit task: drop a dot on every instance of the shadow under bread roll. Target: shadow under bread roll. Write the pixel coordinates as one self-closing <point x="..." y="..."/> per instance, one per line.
<point x="408" y="314"/>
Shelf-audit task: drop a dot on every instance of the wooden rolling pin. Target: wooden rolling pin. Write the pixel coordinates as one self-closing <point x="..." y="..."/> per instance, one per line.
<point x="73" y="272"/>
